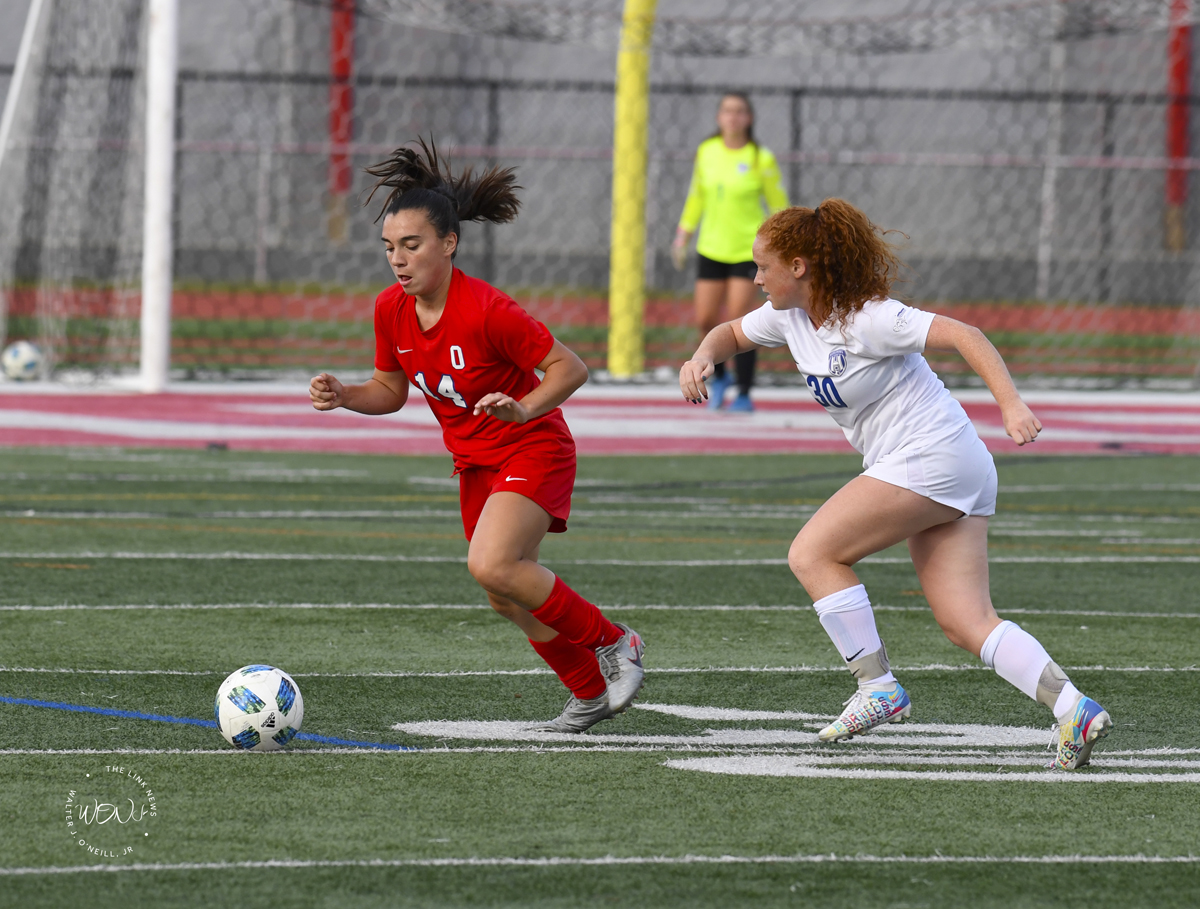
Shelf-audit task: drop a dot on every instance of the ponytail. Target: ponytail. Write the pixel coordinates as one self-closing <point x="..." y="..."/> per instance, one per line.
<point x="848" y="258"/>
<point x="422" y="181"/>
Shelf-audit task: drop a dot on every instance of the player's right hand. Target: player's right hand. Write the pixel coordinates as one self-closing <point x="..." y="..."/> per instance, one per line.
<point x="691" y="380"/>
<point x="679" y="253"/>
<point x="1020" y="423"/>
<point x="325" y="392"/>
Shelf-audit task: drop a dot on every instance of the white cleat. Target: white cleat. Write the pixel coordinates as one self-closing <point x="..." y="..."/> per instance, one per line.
<point x="621" y="664"/>
<point x="1073" y="741"/>
<point x="866" y="710"/>
<point x="578" y="715"/>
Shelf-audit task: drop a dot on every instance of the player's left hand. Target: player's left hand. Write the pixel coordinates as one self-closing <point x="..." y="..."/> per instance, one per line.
<point x="502" y="407"/>
<point x="691" y="380"/>
<point x="1020" y="423"/>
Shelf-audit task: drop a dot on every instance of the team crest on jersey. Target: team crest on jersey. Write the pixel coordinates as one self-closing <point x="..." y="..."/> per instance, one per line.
<point x="901" y="319"/>
<point x="743" y="167"/>
<point x="837" y="363"/>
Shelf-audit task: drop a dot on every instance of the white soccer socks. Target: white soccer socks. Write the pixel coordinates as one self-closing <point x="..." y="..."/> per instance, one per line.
<point x="847" y="618"/>
<point x="1021" y="661"/>
<point x="1013" y="652"/>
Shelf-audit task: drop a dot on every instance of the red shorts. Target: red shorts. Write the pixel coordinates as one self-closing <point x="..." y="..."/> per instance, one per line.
<point x="547" y="480"/>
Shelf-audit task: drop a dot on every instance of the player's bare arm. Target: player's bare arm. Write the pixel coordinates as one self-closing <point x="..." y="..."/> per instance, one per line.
<point x="718" y="346"/>
<point x="563" y="372"/>
<point x="981" y="355"/>
<point x="384" y="392"/>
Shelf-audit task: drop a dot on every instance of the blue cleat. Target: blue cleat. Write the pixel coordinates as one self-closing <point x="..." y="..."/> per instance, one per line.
<point x="742" y="404"/>
<point x="867" y="709"/>
<point x="716" y="391"/>
<point x="1074" y="740"/>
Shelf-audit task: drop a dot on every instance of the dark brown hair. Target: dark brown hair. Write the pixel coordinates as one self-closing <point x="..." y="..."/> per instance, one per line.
<point x="848" y="258"/>
<point x="745" y="99"/>
<point x="423" y="181"/>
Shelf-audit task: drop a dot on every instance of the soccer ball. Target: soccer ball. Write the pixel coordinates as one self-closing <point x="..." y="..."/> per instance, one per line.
<point x="22" y="360"/>
<point x="259" y="708"/>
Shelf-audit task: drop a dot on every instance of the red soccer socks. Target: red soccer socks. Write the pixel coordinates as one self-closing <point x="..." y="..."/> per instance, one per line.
<point x="573" y="617"/>
<point x="575" y="665"/>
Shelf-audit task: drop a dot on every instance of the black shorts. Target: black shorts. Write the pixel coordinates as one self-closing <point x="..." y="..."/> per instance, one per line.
<point x="712" y="270"/>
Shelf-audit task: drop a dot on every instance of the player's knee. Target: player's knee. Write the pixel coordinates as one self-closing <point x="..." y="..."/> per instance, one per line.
<point x="804" y="560"/>
<point x="491" y="570"/>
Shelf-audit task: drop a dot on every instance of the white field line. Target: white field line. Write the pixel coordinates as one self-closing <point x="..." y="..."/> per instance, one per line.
<point x="468" y="673"/>
<point x="674" y="670"/>
<point x="620" y="607"/>
<point x="224" y="515"/>
<point x="1014" y="757"/>
<point x="1151" y="541"/>
<point x="779" y="766"/>
<point x="618" y="861"/>
<point x="920" y="735"/>
<point x="728" y="714"/>
<point x="785" y="749"/>
<point x="648" y="563"/>
<point x="1003" y="531"/>
<point x="1103" y="487"/>
<point x="720" y="510"/>
<point x="1035" y="759"/>
<point x="1106" y="537"/>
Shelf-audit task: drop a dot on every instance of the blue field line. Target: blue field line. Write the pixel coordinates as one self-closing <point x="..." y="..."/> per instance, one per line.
<point x="192" y="721"/>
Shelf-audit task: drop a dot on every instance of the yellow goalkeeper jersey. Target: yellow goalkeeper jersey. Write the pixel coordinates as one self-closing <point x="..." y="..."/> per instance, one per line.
<point x="729" y="186"/>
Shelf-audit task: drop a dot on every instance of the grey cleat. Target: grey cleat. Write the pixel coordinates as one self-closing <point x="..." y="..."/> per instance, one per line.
<point x="621" y="664"/>
<point x="578" y="715"/>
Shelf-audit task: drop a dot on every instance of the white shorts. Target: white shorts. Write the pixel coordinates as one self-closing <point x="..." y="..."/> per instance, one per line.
<point x="958" y="472"/>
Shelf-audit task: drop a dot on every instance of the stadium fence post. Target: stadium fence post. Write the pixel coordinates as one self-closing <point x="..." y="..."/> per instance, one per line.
<point x="24" y="52"/>
<point x="627" y="257"/>
<point x="1054" y="136"/>
<point x="33" y="18"/>
<point x="1179" y="65"/>
<point x="157" y="240"/>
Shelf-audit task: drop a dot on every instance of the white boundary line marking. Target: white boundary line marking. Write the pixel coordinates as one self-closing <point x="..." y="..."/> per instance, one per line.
<point x="902" y="754"/>
<point x="621" y="607"/>
<point x="781" y="766"/>
<point x="726" y="511"/>
<point x="613" y="860"/>
<point x="677" y="670"/>
<point x="648" y="563"/>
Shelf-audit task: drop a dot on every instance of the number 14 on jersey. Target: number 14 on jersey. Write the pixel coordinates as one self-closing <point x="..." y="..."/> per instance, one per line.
<point x="445" y="389"/>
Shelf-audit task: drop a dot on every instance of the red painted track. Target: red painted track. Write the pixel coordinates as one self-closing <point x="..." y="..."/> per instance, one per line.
<point x="604" y="420"/>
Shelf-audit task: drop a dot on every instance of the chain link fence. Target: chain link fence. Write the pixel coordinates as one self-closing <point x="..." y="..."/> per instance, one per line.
<point x="1022" y="147"/>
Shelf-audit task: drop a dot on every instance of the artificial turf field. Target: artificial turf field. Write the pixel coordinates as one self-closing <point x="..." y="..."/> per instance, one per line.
<point x="137" y="580"/>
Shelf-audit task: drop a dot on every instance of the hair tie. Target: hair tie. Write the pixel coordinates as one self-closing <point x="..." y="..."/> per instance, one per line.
<point x="817" y="212"/>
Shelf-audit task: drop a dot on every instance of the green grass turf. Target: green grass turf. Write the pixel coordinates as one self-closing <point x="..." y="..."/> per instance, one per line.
<point x="466" y="797"/>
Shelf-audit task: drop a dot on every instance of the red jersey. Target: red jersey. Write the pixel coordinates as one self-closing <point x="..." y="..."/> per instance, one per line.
<point x="483" y="343"/>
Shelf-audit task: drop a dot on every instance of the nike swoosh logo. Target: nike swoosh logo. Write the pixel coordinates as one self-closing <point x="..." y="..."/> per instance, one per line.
<point x="510" y="479"/>
<point x="398" y="350"/>
<point x="852" y="658"/>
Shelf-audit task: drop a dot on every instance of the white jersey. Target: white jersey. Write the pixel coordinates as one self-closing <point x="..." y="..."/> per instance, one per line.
<point x="869" y="374"/>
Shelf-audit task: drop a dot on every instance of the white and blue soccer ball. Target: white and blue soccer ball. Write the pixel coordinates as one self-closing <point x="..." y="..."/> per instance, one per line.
<point x="22" y="360"/>
<point x="259" y="708"/>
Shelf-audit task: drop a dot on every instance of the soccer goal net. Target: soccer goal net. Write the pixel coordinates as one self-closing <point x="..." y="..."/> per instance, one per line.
<point x="1035" y="153"/>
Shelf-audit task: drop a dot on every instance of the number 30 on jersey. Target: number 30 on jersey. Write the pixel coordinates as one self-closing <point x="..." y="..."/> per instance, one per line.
<point x="825" y="391"/>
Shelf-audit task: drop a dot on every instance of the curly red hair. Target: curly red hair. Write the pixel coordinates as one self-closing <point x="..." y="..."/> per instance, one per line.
<point x="848" y="258"/>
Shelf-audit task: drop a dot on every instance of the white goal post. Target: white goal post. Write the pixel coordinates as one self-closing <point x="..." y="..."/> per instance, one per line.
<point x="162" y="62"/>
